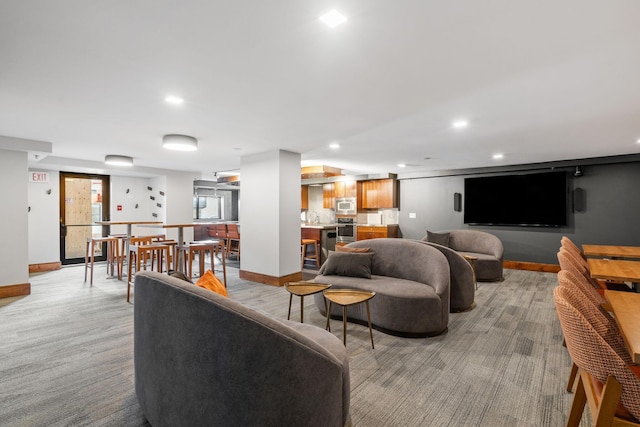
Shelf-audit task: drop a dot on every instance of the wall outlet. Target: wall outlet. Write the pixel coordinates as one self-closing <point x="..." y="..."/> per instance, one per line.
<point x="412" y="215"/>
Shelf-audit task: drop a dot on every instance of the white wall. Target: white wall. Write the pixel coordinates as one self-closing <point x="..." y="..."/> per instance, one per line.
<point x="14" y="226"/>
<point x="270" y="217"/>
<point x="44" y="219"/>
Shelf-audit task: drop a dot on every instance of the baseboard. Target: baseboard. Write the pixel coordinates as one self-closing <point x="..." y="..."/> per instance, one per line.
<point x="47" y="266"/>
<point x="270" y="280"/>
<point x="531" y="266"/>
<point x="15" y="290"/>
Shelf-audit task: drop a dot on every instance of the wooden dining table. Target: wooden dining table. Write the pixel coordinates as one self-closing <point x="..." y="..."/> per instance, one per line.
<point x="626" y="310"/>
<point x="129" y="225"/>
<point x="612" y="251"/>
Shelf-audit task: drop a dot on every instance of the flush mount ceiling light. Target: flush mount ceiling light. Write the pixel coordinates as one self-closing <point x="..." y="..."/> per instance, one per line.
<point x="460" y="124"/>
<point x="498" y="156"/>
<point x="333" y="18"/>
<point x="180" y="142"/>
<point x="115" y="160"/>
<point x="174" y="100"/>
<point x="334" y="145"/>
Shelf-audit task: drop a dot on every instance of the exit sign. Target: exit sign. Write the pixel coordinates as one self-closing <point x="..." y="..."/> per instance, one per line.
<point x="38" y="176"/>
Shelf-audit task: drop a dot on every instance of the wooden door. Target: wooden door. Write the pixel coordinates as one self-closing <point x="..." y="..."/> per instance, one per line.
<point x="84" y="199"/>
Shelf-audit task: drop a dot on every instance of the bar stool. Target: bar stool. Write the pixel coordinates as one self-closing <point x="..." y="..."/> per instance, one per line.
<point x="310" y="257"/>
<point x="140" y="254"/>
<point x="113" y="255"/>
<point x="201" y="248"/>
<point x="233" y="240"/>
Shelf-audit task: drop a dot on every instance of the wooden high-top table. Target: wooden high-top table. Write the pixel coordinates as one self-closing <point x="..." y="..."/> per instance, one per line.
<point x="626" y="310"/>
<point x="612" y="251"/>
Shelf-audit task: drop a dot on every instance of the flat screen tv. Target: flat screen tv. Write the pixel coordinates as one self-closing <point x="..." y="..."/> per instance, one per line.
<point x="533" y="200"/>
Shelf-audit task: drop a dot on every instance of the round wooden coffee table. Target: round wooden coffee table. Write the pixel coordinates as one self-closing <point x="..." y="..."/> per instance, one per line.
<point x="345" y="298"/>
<point x="303" y="289"/>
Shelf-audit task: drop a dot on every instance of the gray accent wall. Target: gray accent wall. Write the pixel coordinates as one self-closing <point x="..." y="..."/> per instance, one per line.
<point x="610" y="214"/>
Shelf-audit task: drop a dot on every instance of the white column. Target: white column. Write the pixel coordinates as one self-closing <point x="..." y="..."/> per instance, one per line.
<point x="14" y="228"/>
<point x="270" y="217"/>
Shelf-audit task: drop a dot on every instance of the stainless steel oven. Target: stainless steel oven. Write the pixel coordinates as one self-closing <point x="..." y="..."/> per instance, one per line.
<point x="346" y="229"/>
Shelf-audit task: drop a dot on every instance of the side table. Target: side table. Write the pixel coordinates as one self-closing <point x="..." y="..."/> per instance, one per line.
<point x="345" y="298"/>
<point x="303" y="289"/>
<point x="472" y="260"/>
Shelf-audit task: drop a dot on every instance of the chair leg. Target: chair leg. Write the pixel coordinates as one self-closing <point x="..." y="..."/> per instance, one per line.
<point x="86" y="260"/>
<point x="577" y="407"/>
<point x="572" y="377"/>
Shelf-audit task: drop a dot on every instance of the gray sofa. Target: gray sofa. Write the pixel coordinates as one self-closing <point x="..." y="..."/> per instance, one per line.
<point x="202" y="359"/>
<point x="486" y="247"/>
<point x="463" y="285"/>
<point x="411" y="281"/>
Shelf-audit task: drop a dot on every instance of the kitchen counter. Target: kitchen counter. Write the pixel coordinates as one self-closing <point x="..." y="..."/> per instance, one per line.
<point x="321" y="226"/>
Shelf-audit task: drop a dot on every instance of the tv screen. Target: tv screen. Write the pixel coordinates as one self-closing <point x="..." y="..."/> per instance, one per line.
<point x="538" y="199"/>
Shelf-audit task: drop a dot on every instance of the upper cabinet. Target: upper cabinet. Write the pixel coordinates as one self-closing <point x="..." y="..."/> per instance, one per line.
<point x="304" y="205"/>
<point x="378" y="194"/>
<point x="344" y="189"/>
<point x="328" y="196"/>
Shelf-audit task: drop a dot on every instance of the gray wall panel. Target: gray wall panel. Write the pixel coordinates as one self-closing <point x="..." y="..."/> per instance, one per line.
<point x="611" y="214"/>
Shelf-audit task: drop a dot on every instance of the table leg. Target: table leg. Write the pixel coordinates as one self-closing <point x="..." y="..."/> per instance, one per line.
<point x="344" y="325"/>
<point x="181" y="253"/>
<point x="328" y="326"/>
<point x="290" y="299"/>
<point x="369" y="320"/>
<point x="302" y="309"/>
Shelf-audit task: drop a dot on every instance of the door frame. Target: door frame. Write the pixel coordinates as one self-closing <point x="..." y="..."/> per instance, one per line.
<point x="106" y="212"/>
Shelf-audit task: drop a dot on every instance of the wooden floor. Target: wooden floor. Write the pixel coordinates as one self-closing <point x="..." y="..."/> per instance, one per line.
<point x="66" y="357"/>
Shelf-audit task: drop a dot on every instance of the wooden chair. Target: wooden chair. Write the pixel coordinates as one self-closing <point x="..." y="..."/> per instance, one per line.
<point x="233" y="240"/>
<point x="143" y="252"/>
<point x="606" y="382"/>
<point x="201" y="248"/>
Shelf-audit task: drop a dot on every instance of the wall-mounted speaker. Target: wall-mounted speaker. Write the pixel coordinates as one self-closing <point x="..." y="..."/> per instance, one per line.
<point x="579" y="200"/>
<point x="457" y="202"/>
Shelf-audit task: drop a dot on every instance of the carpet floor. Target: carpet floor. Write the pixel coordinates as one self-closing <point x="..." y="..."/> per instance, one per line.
<point x="66" y="357"/>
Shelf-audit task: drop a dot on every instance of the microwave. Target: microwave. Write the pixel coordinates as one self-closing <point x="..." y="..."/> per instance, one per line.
<point x="346" y="206"/>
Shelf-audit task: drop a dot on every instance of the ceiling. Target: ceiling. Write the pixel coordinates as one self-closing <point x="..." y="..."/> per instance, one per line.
<point x="537" y="81"/>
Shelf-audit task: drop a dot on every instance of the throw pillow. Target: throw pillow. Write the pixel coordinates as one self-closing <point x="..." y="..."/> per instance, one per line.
<point x="211" y="282"/>
<point x="438" y="238"/>
<point x="353" y="264"/>
<point x="180" y="275"/>
<point x="349" y="249"/>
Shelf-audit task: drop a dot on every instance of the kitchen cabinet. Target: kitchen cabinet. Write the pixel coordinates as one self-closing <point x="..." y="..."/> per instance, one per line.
<point x="304" y="197"/>
<point x="328" y="196"/>
<point x="378" y="194"/>
<point x="344" y="189"/>
<point x="377" y="232"/>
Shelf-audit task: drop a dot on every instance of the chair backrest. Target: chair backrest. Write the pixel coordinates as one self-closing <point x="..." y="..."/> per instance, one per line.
<point x="584" y="286"/>
<point x="592" y="354"/>
<point x="221" y="231"/>
<point x="232" y="231"/>
<point x="141" y="240"/>
<point x="569" y="262"/>
<point x="605" y="325"/>
<point x="567" y="243"/>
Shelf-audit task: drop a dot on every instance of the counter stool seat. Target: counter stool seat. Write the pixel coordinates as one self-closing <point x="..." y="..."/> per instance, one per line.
<point x="201" y="248"/>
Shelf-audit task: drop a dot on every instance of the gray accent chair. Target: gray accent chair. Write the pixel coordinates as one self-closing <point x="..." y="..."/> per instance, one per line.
<point x="411" y="281"/>
<point x="202" y="359"/>
<point x="486" y="247"/>
<point x="463" y="285"/>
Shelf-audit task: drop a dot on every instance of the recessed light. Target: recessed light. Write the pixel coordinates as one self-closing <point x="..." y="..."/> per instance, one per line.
<point x="176" y="100"/>
<point x="498" y="156"/>
<point x="638" y="141"/>
<point x="402" y="165"/>
<point x="334" y="145"/>
<point x="333" y="18"/>
<point x="460" y="124"/>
